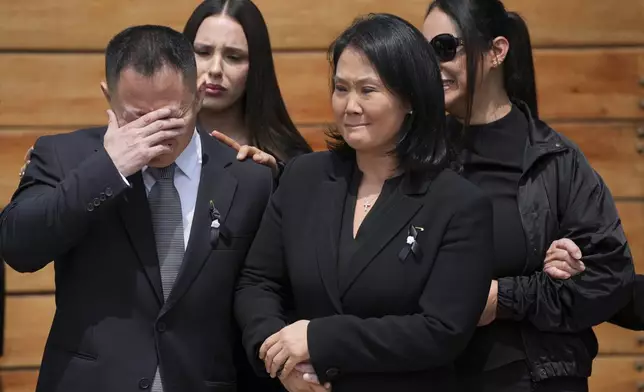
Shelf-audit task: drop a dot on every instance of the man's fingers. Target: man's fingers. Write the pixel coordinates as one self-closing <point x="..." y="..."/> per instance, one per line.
<point x="172" y="123"/>
<point x="149" y="118"/>
<point x="569" y="246"/>
<point x="161" y="136"/>
<point x="157" y="150"/>
<point x="226" y="139"/>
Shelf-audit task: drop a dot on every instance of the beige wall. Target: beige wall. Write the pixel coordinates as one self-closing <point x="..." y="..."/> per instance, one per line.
<point x="590" y="66"/>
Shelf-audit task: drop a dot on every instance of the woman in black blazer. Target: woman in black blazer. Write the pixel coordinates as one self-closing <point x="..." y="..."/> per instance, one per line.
<point x="381" y="250"/>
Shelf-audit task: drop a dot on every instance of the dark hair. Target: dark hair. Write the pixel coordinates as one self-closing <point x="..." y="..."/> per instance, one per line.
<point x="480" y="21"/>
<point x="265" y="114"/>
<point x="147" y="49"/>
<point x="408" y="67"/>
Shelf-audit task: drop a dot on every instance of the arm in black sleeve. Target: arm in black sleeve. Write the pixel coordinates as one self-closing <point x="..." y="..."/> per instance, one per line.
<point x="449" y="309"/>
<point x="50" y="211"/>
<point x="263" y="286"/>
<point x="590" y="219"/>
<point x="632" y="315"/>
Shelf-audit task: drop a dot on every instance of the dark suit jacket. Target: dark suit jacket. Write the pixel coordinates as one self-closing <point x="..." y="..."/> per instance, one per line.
<point x="111" y="322"/>
<point x="394" y="325"/>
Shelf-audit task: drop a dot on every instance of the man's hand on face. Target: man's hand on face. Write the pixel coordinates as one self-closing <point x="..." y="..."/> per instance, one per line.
<point x="135" y="144"/>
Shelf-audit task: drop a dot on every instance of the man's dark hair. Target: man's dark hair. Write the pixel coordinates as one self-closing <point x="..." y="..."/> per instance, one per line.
<point x="147" y="49"/>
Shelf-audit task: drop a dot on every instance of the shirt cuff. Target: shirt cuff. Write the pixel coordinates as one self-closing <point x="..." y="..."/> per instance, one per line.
<point x="125" y="180"/>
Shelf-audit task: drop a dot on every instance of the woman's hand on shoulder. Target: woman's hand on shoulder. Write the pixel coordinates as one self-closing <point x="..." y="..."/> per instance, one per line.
<point x="563" y="260"/>
<point x="27" y="159"/>
<point x="243" y="152"/>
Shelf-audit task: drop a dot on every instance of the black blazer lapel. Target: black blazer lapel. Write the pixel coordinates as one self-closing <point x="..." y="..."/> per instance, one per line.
<point x="218" y="186"/>
<point x="137" y="219"/>
<point x="329" y="205"/>
<point x="395" y="218"/>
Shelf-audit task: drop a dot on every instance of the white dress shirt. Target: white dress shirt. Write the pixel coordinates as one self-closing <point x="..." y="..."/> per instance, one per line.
<point x="186" y="180"/>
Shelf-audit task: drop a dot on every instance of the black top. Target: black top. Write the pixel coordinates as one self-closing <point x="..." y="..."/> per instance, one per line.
<point x="348" y="244"/>
<point x="493" y="160"/>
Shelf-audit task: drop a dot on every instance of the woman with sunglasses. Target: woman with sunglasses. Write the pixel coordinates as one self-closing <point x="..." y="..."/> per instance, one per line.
<point x="535" y="333"/>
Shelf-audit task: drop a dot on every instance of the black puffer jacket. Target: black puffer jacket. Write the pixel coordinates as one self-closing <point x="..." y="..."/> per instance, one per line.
<point x="561" y="196"/>
<point x="632" y="316"/>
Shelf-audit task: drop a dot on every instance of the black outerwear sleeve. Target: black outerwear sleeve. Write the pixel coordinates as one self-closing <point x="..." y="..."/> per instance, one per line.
<point x="448" y="309"/>
<point x="632" y="315"/>
<point x="51" y="211"/>
<point x="263" y="285"/>
<point x="589" y="218"/>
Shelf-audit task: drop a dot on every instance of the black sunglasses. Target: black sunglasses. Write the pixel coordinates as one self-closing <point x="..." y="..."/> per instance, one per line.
<point x="445" y="46"/>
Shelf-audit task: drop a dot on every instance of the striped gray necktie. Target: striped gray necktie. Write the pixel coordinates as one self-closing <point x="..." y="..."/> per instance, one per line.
<point x="167" y="221"/>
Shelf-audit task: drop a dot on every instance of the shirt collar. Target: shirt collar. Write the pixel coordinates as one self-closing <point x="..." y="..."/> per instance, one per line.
<point x="190" y="158"/>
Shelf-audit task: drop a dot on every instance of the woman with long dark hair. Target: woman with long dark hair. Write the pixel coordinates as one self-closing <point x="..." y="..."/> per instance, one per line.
<point x="535" y="333"/>
<point x="243" y="104"/>
<point x="368" y="242"/>
<point x="243" y="99"/>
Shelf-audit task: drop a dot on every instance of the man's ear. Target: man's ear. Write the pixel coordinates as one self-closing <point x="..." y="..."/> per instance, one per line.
<point x="106" y="92"/>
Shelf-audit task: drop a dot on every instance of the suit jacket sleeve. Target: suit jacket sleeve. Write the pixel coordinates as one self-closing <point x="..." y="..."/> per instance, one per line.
<point x="49" y="213"/>
<point x="263" y="287"/>
<point x="449" y="308"/>
<point x="590" y="219"/>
